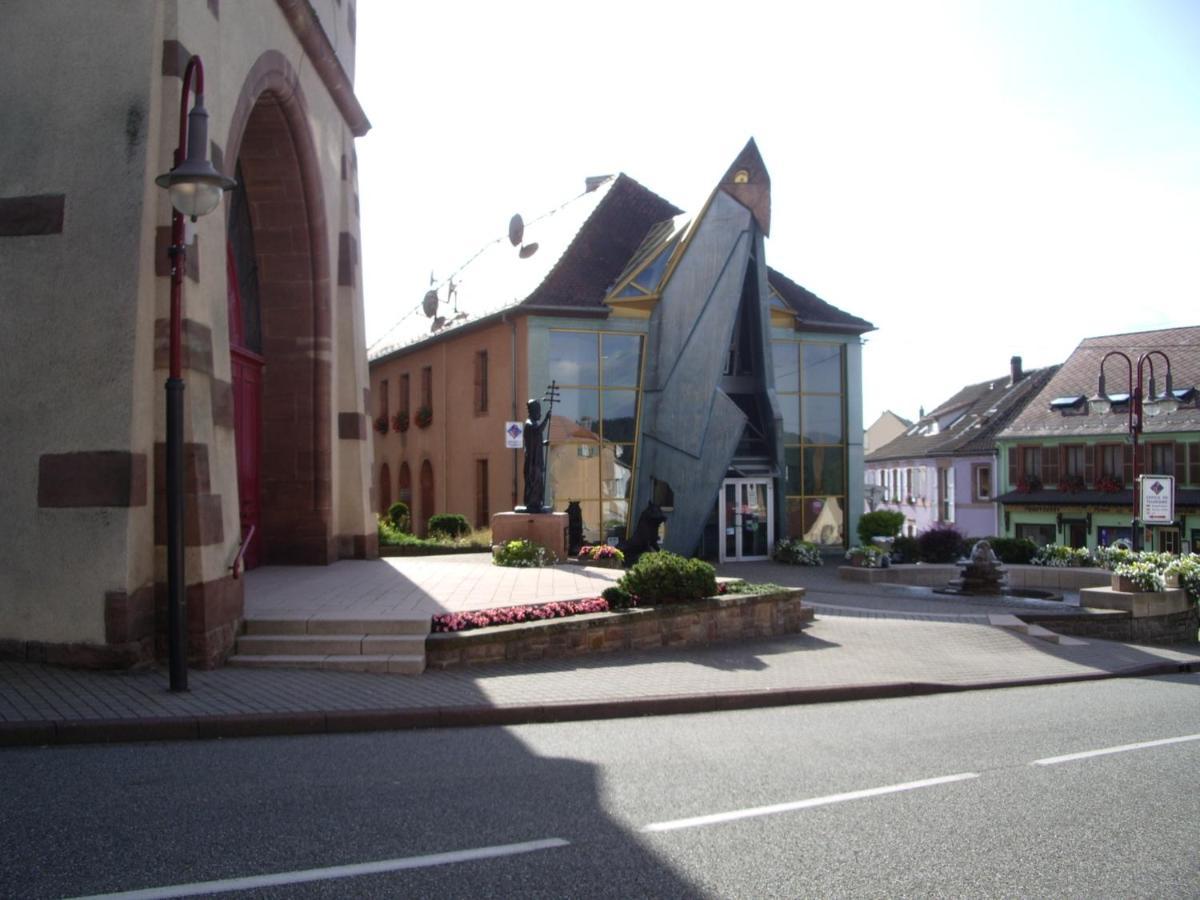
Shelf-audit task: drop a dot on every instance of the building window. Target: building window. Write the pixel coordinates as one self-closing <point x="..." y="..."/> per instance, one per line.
<point x="945" y="482"/>
<point x="981" y="482"/>
<point x="481" y="382"/>
<point x="1193" y="472"/>
<point x="383" y="398"/>
<point x="810" y="381"/>
<point x="427" y="386"/>
<point x="1073" y="460"/>
<point x="403" y="398"/>
<point x="593" y="436"/>
<point x="1040" y="534"/>
<point x="482" y="513"/>
<point x="1031" y="462"/>
<point x="1110" y="462"/>
<point x="1162" y="459"/>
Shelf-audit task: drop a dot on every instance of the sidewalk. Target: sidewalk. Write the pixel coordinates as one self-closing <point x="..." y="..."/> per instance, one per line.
<point x="865" y="642"/>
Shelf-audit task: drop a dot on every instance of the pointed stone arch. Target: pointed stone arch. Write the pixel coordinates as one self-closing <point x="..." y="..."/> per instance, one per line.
<point x="270" y="140"/>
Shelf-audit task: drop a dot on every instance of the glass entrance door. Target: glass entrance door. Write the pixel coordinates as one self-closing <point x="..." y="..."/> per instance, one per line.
<point x="747" y="519"/>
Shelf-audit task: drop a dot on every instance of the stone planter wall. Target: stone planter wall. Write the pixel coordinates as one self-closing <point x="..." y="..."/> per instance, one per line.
<point x="732" y="617"/>
<point x="938" y="574"/>
<point x="1118" y="625"/>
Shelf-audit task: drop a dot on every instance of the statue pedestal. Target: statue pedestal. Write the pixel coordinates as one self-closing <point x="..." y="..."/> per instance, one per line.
<point x="548" y="529"/>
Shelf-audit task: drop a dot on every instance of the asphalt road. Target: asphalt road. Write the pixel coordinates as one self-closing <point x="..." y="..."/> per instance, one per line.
<point x="959" y="795"/>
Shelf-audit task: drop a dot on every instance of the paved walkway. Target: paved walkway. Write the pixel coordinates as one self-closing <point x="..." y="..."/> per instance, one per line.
<point x="867" y="641"/>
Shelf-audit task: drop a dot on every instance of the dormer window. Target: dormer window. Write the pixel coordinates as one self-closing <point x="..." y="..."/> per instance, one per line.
<point x="1075" y="405"/>
<point x="1185" y="396"/>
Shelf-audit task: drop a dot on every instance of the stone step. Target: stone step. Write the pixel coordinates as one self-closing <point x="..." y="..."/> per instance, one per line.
<point x="398" y="664"/>
<point x="316" y="625"/>
<point x="300" y="644"/>
<point x="1012" y="623"/>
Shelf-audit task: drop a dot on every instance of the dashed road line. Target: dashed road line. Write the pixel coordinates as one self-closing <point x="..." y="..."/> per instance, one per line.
<point x="1088" y="754"/>
<point x="202" y="888"/>
<point x="733" y="815"/>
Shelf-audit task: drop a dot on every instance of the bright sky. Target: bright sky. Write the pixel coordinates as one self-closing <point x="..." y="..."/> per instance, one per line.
<point x="978" y="179"/>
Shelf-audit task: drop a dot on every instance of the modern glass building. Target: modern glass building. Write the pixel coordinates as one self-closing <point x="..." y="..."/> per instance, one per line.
<point x="690" y="378"/>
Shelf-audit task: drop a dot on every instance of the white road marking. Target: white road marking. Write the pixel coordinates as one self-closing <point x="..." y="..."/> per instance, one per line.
<point x="351" y="871"/>
<point x="717" y="818"/>
<point x="1054" y="760"/>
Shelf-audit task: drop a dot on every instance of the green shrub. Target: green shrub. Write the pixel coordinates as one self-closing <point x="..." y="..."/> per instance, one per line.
<point x="940" y="544"/>
<point x="617" y="598"/>
<point x="399" y="516"/>
<point x="1059" y="556"/>
<point x="905" y="550"/>
<point x="451" y="525"/>
<point x="664" y="577"/>
<point x="797" y="553"/>
<point x="884" y="523"/>
<point x="522" y="554"/>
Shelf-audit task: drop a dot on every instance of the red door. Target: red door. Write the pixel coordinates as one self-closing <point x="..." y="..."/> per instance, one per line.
<point x="247" y="419"/>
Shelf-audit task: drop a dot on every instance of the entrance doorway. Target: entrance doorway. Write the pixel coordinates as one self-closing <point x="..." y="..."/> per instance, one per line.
<point x="746" y="519"/>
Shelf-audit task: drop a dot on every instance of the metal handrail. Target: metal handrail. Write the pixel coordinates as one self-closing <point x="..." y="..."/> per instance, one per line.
<point x="239" y="563"/>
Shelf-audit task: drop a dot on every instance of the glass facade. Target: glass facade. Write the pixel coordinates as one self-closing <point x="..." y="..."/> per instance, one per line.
<point x="593" y="432"/>
<point x="810" y="380"/>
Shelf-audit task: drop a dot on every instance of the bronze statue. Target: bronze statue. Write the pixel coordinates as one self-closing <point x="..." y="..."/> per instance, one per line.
<point x="536" y="437"/>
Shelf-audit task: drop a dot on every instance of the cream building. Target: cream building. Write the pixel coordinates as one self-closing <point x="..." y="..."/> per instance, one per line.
<point x="275" y="417"/>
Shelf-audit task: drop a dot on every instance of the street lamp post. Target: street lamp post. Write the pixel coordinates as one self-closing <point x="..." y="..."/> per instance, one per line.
<point x="196" y="189"/>
<point x="1135" y="372"/>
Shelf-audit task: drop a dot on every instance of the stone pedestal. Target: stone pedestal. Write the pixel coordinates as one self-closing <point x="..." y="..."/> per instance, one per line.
<point x="1139" y="604"/>
<point x="548" y="529"/>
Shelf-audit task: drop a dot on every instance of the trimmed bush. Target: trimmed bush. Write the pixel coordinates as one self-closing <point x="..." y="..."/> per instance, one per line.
<point x="665" y="577"/>
<point x="1011" y="551"/>
<point x="884" y="523"/>
<point x="618" y="598"/>
<point x="940" y="544"/>
<point x="451" y="525"/>
<point x="398" y="515"/>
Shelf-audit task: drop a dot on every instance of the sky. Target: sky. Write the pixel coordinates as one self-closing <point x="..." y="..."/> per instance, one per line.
<point x="977" y="179"/>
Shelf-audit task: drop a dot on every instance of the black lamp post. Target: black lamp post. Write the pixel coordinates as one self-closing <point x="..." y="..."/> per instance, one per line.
<point x="1134" y="371"/>
<point x="196" y="189"/>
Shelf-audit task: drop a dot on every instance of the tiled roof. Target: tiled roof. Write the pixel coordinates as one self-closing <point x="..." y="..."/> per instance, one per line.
<point x="815" y="314"/>
<point x="977" y="414"/>
<point x="1079" y="377"/>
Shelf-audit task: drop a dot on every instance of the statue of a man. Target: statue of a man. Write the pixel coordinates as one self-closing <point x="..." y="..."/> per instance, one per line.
<point x="536" y="436"/>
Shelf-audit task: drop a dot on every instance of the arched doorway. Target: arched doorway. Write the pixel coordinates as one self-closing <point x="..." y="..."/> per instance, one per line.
<point x="426" y="509"/>
<point x="279" y="253"/>
<point x="385" y="489"/>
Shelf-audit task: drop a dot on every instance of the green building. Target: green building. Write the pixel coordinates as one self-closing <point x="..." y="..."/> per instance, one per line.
<point x="1067" y="461"/>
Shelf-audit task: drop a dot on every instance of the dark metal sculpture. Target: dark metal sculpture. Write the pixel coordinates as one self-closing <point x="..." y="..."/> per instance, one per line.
<point x="536" y="437"/>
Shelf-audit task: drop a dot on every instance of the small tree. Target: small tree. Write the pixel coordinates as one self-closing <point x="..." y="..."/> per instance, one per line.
<point x="398" y="515"/>
<point x="449" y="525"/>
<point x="940" y="544"/>
<point x="884" y="523"/>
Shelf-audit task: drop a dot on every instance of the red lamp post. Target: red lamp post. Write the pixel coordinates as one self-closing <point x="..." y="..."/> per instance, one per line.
<point x="196" y="189"/>
<point x="1146" y="360"/>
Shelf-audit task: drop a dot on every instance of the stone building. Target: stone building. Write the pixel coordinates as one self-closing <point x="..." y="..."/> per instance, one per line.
<point x="273" y="348"/>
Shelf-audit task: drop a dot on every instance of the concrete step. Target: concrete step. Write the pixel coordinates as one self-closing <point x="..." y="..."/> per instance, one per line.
<point x="300" y="644"/>
<point x="1012" y="623"/>
<point x="399" y="664"/>
<point x="316" y="625"/>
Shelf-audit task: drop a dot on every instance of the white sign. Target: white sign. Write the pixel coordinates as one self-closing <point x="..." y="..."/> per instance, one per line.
<point x="1158" y="499"/>
<point x="513" y="433"/>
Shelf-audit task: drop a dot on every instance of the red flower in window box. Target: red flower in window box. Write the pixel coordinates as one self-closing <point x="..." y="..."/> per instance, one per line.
<point x="424" y="417"/>
<point x="381" y="424"/>
<point x="1028" y="484"/>
<point x="1109" y="485"/>
<point x="1071" y="484"/>
<point x="400" y="421"/>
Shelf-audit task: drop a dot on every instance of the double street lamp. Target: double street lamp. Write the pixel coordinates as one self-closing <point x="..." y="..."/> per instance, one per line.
<point x="1135" y="381"/>
<point x="196" y="189"/>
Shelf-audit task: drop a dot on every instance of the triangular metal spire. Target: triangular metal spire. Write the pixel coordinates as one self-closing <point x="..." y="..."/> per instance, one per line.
<point x="749" y="183"/>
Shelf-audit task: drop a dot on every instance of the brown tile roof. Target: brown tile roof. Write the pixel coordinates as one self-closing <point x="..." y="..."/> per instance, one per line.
<point x="978" y="412"/>
<point x="1079" y="376"/>
<point x="814" y="313"/>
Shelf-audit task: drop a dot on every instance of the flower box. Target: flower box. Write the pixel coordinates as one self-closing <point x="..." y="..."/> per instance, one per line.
<point x="1125" y="584"/>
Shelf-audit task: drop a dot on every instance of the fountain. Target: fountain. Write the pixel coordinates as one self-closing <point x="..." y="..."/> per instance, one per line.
<point x="983" y="576"/>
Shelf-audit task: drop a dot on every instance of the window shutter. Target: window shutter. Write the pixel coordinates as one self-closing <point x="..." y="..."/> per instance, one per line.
<point x="1126" y="454"/>
<point x="1180" y="451"/>
<point x="1014" y="474"/>
<point x="1089" y="464"/>
<point x="1050" y="466"/>
<point x="1193" y="463"/>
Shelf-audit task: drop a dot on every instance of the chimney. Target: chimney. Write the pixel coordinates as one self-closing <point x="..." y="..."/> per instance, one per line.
<point x="1017" y="374"/>
<point x="594" y="181"/>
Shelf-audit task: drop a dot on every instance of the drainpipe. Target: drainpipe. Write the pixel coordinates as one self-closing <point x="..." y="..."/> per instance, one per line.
<point x="512" y="355"/>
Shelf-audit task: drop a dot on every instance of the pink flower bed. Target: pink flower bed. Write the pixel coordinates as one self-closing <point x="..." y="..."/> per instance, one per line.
<point x="509" y="615"/>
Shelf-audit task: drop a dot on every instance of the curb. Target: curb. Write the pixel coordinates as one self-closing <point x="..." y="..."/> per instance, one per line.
<point x="101" y="731"/>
